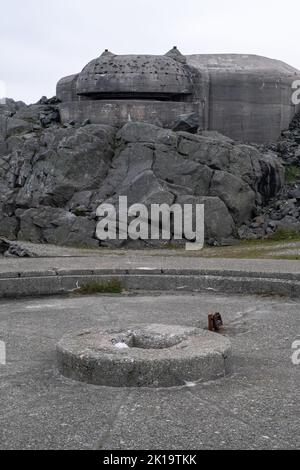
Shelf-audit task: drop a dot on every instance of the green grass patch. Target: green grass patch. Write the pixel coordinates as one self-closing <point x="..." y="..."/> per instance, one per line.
<point x="285" y="235"/>
<point x="268" y="248"/>
<point x="281" y="235"/>
<point x="79" y="212"/>
<point x="292" y="173"/>
<point x="288" y="257"/>
<point x="113" y="286"/>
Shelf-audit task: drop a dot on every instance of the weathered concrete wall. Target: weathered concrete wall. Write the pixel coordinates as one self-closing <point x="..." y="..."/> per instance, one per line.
<point x="118" y="113"/>
<point x="249" y="97"/>
<point x="248" y="107"/>
<point x="66" y="88"/>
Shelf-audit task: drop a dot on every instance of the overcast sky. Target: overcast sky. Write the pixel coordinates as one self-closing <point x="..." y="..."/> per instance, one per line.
<point x="44" y="40"/>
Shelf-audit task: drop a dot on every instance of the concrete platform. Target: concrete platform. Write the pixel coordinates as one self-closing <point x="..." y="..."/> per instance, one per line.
<point x="256" y="407"/>
<point x="143" y="271"/>
<point x="149" y="355"/>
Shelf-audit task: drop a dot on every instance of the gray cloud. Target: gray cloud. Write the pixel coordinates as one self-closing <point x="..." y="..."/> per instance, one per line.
<point x="43" y="41"/>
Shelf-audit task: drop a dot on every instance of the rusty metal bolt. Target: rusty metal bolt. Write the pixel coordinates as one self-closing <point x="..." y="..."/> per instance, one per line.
<point x="215" y="322"/>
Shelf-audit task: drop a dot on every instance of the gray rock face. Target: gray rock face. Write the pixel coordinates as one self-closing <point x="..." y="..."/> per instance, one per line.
<point x="56" y="226"/>
<point x="235" y="193"/>
<point x="17" y="126"/>
<point x="17" y="118"/>
<point x="187" y="123"/>
<point x="219" y="224"/>
<point x="67" y="161"/>
<point x="289" y="223"/>
<point x="53" y="179"/>
<point x="8" y="227"/>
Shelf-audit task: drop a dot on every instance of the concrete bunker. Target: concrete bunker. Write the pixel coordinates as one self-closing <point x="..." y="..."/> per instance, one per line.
<point x="246" y="97"/>
<point x="117" y="77"/>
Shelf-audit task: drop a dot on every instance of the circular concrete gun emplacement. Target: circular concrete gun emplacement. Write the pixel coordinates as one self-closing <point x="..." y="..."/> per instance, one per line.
<point x="144" y="356"/>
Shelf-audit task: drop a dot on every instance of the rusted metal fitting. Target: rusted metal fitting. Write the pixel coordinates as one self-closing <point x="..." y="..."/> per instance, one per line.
<point x="215" y="322"/>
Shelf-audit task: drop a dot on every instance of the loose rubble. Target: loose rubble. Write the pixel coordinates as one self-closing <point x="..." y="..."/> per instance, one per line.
<point x="283" y="211"/>
<point x="10" y="249"/>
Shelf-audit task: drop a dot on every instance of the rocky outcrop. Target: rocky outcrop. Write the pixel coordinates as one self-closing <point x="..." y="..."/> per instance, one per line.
<point x="45" y="224"/>
<point x="53" y="177"/>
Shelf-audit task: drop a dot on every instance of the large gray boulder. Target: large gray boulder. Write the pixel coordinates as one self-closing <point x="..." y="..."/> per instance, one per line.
<point x="64" y="161"/>
<point x="289" y="224"/>
<point x="56" y="226"/>
<point x="187" y="123"/>
<point x="53" y="179"/>
<point x="172" y="167"/>
<point x="146" y="189"/>
<point x="235" y="193"/>
<point x="8" y="108"/>
<point x="263" y="172"/>
<point x="219" y="224"/>
<point x="8" y="227"/>
<point x="134" y="132"/>
<point x="17" y="126"/>
<point x="17" y="118"/>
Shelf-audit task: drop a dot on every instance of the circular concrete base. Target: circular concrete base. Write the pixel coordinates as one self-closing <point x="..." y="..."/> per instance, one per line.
<point x="144" y="356"/>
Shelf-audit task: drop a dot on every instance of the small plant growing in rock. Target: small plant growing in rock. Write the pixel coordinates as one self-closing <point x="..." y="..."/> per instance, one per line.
<point x="113" y="286"/>
<point x="292" y="173"/>
<point x="79" y="212"/>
